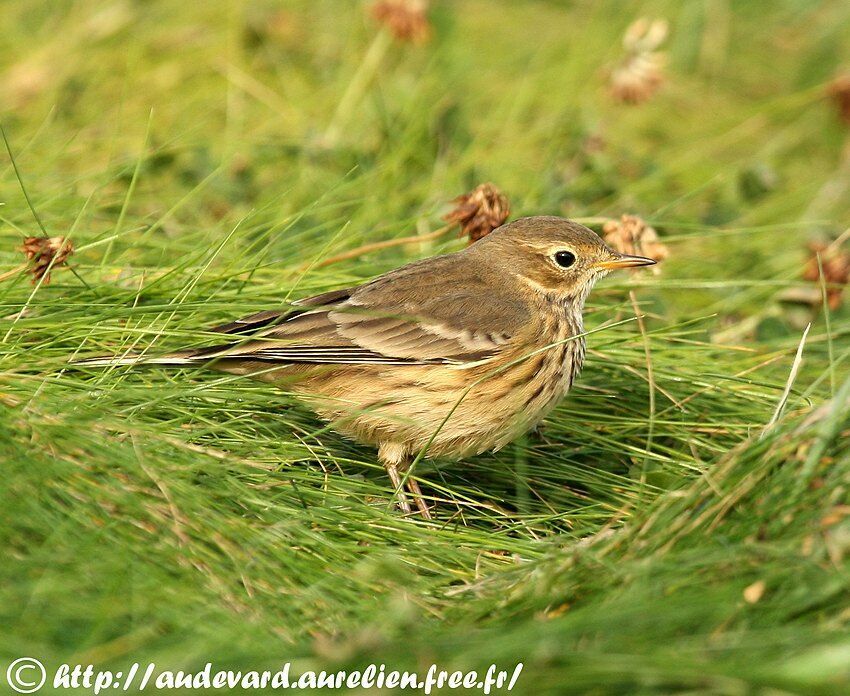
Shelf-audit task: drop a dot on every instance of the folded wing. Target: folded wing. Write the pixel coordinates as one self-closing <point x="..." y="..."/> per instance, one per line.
<point x="433" y="311"/>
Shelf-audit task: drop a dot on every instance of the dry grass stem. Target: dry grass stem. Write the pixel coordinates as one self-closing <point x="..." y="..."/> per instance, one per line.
<point x="386" y="244"/>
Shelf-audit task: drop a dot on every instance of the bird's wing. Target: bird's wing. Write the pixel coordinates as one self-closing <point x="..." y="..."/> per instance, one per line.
<point x="268" y="318"/>
<point x="429" y="312"/>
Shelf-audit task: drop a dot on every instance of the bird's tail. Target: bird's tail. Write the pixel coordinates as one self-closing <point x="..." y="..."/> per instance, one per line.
<point x="185" y="357"/>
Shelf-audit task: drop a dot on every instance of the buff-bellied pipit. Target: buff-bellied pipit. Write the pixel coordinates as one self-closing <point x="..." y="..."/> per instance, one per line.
<point x="453" y="355"/>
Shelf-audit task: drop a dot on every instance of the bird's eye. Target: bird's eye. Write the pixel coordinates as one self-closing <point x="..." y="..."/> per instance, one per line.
<point x="565" y="259"/>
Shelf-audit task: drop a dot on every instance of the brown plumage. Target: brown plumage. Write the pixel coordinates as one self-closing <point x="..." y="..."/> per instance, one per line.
<point x="455" y="354"/>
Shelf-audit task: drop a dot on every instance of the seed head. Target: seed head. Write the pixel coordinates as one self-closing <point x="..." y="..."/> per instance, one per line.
<point x="480" y="211"/>
<point x="836" y="270"/>
<point x="641" y="71"/>
<point x="46" y="254"/>
<point x="631" y="235"/>
<point x="407" y="20"/>
<point x="839" y="90"/>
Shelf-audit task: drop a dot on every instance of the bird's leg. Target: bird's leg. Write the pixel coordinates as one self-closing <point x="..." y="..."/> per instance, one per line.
<point x="395" y="477"/>
<point x="397" y="460"/>
<point x="539" y="431"/>
<point x="392" y="456"/>
<point x="416" y="494"/>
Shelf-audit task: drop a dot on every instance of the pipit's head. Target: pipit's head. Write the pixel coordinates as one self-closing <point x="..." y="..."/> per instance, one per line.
<point x="553" y="255"/>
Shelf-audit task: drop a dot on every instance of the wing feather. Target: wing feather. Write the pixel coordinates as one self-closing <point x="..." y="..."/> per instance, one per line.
<point x="433" y="311"/>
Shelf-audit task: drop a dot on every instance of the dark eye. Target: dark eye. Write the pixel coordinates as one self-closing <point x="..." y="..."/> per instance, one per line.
<point x="565" y="259"/>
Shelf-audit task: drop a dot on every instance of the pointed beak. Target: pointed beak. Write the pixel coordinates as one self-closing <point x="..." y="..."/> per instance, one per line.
<point x="624" y="261"/>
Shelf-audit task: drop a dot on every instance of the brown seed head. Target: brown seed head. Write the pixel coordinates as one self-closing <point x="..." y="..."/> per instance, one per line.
<point x="641" y="71"/>
<point x="46" y="254"/>
<point x="406" y="19"/>
<point x="480" y="211"/>
<point x="836" y="270"/>
<point x="839" y="90"/>
<point x="631" y="235"/>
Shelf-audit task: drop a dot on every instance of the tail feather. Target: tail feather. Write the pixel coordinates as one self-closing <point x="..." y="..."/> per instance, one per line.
<point x="187" y="357"/>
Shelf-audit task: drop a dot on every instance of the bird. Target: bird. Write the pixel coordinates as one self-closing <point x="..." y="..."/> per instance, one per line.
<point x="449" y="356"/>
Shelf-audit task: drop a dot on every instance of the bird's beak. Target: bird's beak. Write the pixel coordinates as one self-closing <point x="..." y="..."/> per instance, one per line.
<point x="624" y="261"/>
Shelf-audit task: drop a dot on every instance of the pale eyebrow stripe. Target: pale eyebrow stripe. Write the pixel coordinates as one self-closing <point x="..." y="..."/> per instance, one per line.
<point x="533" y="284"/>
<point x="553" y="247"/>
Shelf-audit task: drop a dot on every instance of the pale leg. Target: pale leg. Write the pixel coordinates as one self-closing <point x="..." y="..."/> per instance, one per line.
<point x="397" y="458"/>
<point x="416" y="494"/>
<point x="392" y="456"/>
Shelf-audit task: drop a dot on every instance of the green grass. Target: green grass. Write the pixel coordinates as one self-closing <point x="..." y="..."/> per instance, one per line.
<point x="184" y="516"/>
